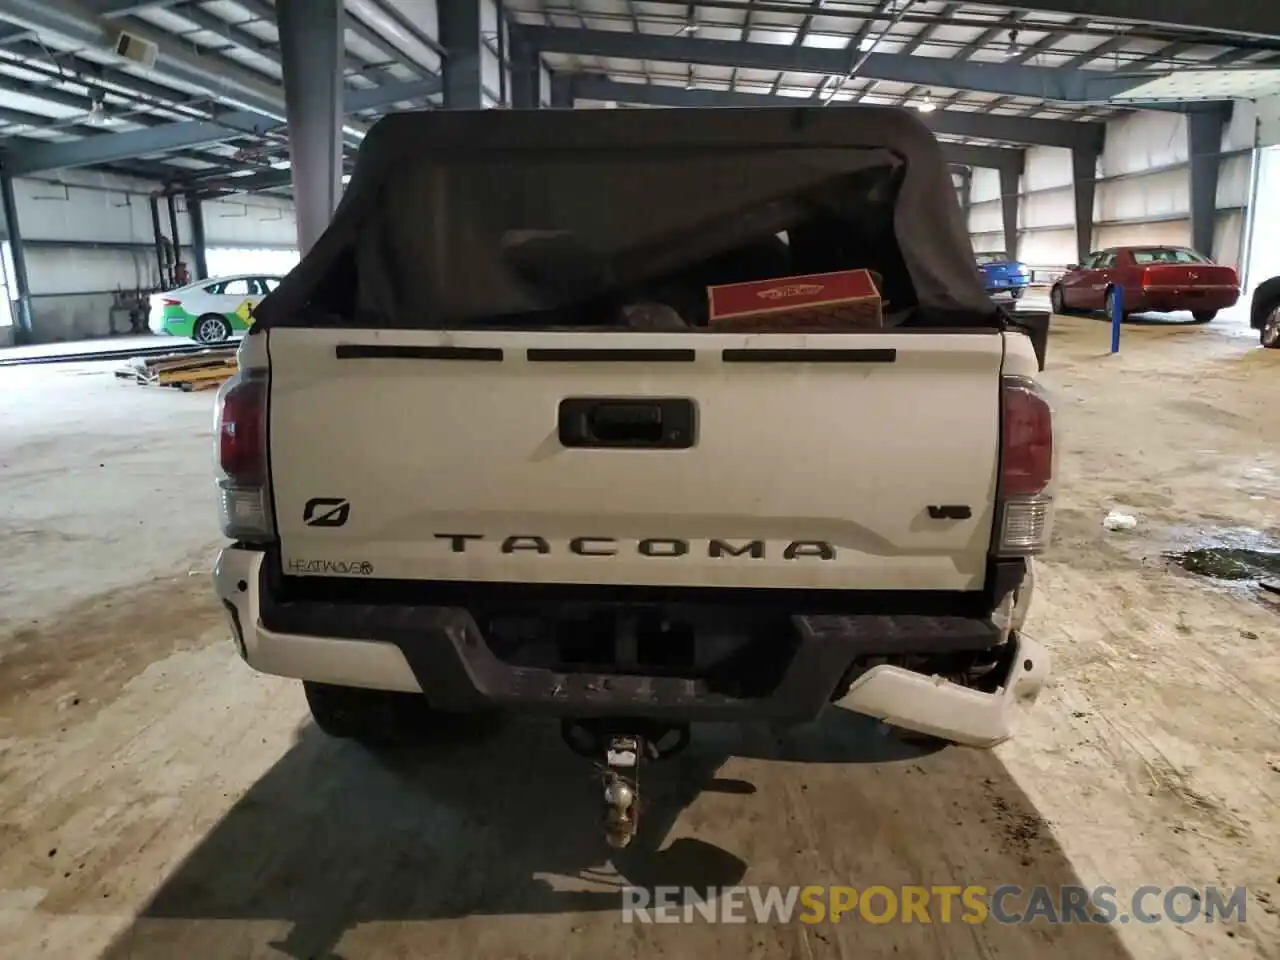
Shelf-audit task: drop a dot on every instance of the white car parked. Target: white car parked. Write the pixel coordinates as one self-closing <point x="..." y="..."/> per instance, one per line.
<point x="210" y="311"/>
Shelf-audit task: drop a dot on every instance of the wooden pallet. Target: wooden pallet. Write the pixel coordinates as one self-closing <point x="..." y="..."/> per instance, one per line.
<point x="191" y="371"/>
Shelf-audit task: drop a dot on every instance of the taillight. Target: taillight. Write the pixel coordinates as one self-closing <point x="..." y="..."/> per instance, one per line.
<point x="171" y="303"/>
<point x="242" y="454"/>
<point x="241" y="430"/>
<point x="1026" y="468"/>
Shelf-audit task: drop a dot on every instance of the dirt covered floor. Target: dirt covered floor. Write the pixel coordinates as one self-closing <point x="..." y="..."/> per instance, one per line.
<point x="159" y="800"/>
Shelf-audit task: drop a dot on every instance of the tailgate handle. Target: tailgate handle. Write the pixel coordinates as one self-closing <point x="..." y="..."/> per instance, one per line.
<point x="647" y="424"/>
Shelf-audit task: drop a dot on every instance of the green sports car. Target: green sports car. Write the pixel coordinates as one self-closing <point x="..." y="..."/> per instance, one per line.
<point x="210" y="311"/>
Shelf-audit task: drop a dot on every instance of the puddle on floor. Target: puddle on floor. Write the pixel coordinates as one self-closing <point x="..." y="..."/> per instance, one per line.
<point x="1225" y="563"/>
<point x="1231" y="555"/>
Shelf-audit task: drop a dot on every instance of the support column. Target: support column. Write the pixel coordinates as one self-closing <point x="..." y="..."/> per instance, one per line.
<point x="1084" y="175"/>
<point x="525" y="74"/>
<point x="562" y="91"/>
<point x="158" y="235"/>
<point x="1009" y="182"/>
<point x="311" y="51"/>
<point x="966" y="199"/>
<point x="460" y="35"/>
<point x="173" y="229"/>
<point x="1204" y="146"/>
<point x="21" y="284"/>
<point x="199" y="248"/>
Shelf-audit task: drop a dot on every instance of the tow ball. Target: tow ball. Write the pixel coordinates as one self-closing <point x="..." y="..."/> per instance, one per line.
<point x="624" y="753"/>
<point x="621" y="789"/>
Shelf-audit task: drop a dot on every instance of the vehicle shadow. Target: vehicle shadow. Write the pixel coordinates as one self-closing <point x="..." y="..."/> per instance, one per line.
<point x="339" y="853"/>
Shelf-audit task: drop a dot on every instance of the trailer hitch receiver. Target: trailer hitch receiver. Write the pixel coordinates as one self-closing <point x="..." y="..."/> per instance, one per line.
<point x="626" y="748"/>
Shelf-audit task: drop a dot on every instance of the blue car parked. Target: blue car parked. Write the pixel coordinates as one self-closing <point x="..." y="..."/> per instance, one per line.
<point x="1002" y="275"/>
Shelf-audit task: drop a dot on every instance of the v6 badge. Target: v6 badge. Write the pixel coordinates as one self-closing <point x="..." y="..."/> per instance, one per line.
<point x="326" y="512"/>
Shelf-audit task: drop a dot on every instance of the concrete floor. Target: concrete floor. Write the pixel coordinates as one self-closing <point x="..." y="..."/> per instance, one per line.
<point x="159" y="800"/>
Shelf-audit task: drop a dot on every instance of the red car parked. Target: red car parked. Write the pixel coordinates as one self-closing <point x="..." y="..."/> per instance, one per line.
<point x="1162" y="279"/>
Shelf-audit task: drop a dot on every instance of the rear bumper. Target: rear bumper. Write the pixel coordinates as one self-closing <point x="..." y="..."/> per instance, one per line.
<point x="156" y="320"/>
<point x="1169" y="299"/>
<point x="1005" y="283"/>
<point x="442" y="653"/>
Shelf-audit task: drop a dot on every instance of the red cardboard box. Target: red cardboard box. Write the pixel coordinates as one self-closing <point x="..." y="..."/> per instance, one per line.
<point x="819" y="301"/>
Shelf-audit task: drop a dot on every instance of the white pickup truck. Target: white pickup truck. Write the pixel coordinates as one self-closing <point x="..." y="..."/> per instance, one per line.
<point x="455" y="482"/>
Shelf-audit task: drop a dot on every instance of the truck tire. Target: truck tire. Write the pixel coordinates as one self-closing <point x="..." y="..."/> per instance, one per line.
<point x="1203" y="316"/>
<point x="375" y="718"/>
<point x="1015" y="293"/>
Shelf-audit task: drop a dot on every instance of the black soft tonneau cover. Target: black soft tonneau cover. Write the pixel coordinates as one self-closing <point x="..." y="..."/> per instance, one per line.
<point x="490" y="216"/>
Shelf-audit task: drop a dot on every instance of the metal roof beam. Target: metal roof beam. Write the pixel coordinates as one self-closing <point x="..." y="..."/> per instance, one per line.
<point x="1046" y="83"/>
<point x="113" y="148"/>
<point x="1026" y="130"/>
<point x="146" y="170"/>
<point x="1010" y="162"/>
<point x="71" y="67"/>
<point x="75" y="23"/>
<point x="1246" y="18"/>
<point x="254" y="183"/>
<point x="235" y="34"/>
<point x="33" y="157"/>
<point x="10" y="33"/>
<point x="123" y="8"/>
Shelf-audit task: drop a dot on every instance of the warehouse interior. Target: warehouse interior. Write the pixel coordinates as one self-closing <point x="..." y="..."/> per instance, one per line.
<point x="158" y="796"/>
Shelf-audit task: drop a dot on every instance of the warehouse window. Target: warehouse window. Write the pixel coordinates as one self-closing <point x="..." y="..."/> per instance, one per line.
<point x="238" y="261"/>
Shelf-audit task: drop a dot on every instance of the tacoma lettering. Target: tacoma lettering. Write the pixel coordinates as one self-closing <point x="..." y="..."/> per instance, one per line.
<point x="663" y="547"/>
<point x="658" y="548"/>
<point x="593" y="547"/>
<point x="721" y="548"/>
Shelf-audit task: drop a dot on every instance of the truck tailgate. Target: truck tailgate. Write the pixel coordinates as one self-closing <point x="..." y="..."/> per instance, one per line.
<point x="845" y="461"/>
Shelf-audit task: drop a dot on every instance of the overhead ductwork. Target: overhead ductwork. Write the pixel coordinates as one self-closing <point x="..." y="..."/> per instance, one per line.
<point x="78" y="26"/>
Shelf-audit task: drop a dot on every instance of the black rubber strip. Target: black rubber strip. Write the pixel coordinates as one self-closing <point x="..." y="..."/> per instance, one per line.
<point x="767" y="355"/>
<point x="611" y="355"/>
<point x="376" y="351"/>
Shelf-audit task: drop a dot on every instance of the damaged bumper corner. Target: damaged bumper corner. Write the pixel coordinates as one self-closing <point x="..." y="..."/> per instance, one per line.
<point x="940" y="708"/>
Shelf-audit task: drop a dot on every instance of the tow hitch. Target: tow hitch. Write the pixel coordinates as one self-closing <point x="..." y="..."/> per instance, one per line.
<point x="621" y="775"/>
<point x="625" y="747"/>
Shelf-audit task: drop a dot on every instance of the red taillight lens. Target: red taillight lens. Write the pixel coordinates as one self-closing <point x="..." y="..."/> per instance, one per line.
<point x="242" y="433"/>
<point x="172" y="303"/>
<point x="1026" y="455"/>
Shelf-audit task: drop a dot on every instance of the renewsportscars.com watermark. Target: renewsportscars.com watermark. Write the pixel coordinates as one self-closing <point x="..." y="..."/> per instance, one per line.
<point x="1007" y="904"/>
